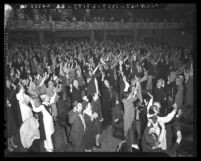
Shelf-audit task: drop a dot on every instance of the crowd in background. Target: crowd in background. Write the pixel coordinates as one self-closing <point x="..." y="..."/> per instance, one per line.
<point x="87" y="86"/>
<point x="61" y="15"/>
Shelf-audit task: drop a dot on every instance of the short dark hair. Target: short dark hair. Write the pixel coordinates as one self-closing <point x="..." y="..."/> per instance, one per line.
<point x="151" y="110"/>
<point x="154" y="119"/>
<point x="151" y="139"/>
<point x="124" y="147"/>
<point x="126" y="94"/>
<point x="18" y="88"/>
<point x="75" y="103"/>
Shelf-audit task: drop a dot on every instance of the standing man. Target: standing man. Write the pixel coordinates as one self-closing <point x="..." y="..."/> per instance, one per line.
<point x="77" y="127"/>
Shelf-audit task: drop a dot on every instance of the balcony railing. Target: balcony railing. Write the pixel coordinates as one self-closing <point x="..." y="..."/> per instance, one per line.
<point x="55" y="26"/>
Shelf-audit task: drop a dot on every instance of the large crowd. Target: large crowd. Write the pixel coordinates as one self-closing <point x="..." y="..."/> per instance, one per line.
<point x="85" y="87"/>
<point x="60" y="15"/>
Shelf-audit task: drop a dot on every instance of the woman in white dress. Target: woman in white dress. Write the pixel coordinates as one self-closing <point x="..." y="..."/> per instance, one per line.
<point x="23" y="99"/>
<point x="47" y="121"/>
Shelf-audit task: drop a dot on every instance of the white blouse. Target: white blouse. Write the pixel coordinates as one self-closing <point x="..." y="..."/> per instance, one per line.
<point x="26" y="111"/>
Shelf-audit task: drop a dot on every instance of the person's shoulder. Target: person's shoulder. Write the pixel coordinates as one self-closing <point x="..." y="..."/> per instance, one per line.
<point x="71" y="112"/>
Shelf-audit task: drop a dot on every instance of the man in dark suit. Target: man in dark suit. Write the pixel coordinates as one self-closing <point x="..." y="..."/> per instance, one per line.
<point x="77" y="127"/>
<point x="106" y="102"/>
<point x="171" y="90"/>
<point x="159" y="96"/>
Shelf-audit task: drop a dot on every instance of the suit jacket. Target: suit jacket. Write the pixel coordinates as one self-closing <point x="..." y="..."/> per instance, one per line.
<point x="171" y="90"/>
<point x="189" y="92"/>
<point x="106" y="95"/>
<point x="117" y="112"/>
<point x="159" y="95"/>
<point x="91" y="88"/>
<point x="171" y="131"/>
<point x="179" y="96"/>
<point x="16" y="109"/>
<point x="96" y="107"/>
<point x="77" y="128"/>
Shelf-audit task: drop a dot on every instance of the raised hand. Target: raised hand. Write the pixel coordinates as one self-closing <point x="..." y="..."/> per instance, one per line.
<point x="95" y="115"/>
<point x="150" y="95"/>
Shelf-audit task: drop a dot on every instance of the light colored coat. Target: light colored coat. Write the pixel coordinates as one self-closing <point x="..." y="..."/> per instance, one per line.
<point x="26" y="111"/>
<point x="48" y="125"/>
<point x="29" y="132"/>
<point x="129" y="113"/>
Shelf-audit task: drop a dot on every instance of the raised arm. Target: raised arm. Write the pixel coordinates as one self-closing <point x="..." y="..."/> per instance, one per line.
<point x="43" y="80"/>
<point x="103" y="76"/>
<point x="61" y="70"/>
<point x="114" y="64"/>
<point x="169" y="117"/>
<point x="127" y="85"/>
<point x="30" y="85"/>
<point x="96" y="69"/>
<point x="158" y="60"/>
<point x="145" y="77"/>
<point x="150" y="102"/>
<point x="96" y="85"/>
<point x="102" y="61"/>
<point x="53" y="98"/>
<point x="126" y="59"/>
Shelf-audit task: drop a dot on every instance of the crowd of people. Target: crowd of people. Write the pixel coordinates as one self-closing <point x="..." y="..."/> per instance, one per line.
<point x="60" y="15"/>
<point x="86" y="87"/>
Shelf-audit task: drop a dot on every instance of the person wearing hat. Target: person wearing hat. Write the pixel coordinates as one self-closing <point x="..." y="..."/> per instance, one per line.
<point x="47" y="120"/>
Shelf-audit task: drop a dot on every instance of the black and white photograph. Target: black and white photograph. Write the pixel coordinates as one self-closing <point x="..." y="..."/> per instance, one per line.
<point x="100" y="79"/>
